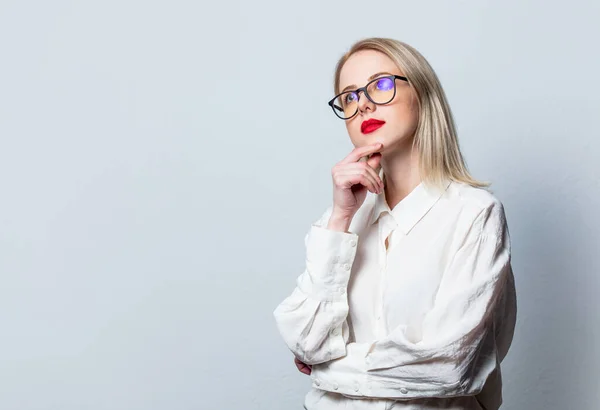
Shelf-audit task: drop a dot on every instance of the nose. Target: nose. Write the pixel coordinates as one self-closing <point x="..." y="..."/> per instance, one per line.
<point x="364" y="103"/>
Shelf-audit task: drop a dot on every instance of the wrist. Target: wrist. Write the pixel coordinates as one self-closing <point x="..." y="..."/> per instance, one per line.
<point x="339" y="222"/>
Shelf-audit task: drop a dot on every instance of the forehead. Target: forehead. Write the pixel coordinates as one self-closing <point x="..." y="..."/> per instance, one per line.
<point x="362" y="64"/>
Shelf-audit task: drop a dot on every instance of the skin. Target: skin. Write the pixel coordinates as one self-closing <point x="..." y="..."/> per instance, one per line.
<point x="399" y="160"/>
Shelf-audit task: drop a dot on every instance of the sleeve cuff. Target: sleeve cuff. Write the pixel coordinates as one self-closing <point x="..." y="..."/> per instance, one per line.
<point x="338" y="340"/>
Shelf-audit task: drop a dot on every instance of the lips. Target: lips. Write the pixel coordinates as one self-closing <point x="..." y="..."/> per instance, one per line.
<point x="370" y="125"/>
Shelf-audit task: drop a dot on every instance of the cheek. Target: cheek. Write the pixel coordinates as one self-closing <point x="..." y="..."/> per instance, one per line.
<point x="404" y="116"/>
<point x="414" y="107"/>
<point x="408" y="111"/>
<point x="404" y="113"/>
<point x="353" y="128"/>
<point x="414" y="112"/>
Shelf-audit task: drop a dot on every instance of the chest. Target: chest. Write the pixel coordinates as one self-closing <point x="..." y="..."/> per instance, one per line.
<point x="397" y="276"/>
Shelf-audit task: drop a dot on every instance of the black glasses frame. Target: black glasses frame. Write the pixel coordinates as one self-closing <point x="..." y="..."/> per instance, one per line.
<point x="364" y="89"/>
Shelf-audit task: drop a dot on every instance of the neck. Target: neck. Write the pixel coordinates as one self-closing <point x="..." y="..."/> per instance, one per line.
<point x="401" y="173"/>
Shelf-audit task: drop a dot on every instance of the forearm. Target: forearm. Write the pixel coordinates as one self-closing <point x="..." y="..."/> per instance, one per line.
<point x="312" y="319"/>
<point x="339" y="222"/>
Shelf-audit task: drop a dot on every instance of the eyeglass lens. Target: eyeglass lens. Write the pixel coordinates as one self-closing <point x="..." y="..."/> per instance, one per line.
<point x="381" y="91"/>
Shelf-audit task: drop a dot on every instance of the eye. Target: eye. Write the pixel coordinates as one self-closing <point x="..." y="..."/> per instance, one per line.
<point x="385" y="84"/>
<point x="350" y="98"/>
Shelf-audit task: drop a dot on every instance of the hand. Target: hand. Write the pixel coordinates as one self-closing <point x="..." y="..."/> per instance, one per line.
<point x="303" y="367"/>
<point x="352" y="177"/>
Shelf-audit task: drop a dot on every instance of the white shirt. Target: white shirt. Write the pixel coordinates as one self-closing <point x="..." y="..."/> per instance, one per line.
<point x="421" y="325"/>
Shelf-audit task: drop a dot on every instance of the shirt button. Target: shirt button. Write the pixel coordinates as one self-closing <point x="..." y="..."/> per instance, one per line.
<point x="317" y="382"/>
<point x="342" y="291"/>
<point x="335" y="386"/>
<point x="403" y="390"/>
<point x="346" y="266"/>
<point x="353" y="243"/>
<point x="336" y="332"/>
<point x="356" y="387"/>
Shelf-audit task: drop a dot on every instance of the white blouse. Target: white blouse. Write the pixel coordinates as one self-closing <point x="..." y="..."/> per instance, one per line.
<point x="423" y="324"/>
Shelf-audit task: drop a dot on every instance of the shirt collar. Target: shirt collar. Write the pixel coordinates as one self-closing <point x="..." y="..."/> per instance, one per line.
<point x="411" y="209"/>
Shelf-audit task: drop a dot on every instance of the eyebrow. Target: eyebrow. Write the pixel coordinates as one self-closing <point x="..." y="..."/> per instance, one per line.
<point x="370" y="78"/>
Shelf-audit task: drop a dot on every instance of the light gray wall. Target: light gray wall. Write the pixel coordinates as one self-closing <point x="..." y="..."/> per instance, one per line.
<point x="160" y="164"/>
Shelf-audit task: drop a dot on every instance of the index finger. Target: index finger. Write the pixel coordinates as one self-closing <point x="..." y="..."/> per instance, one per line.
<point x="358" y="153"/>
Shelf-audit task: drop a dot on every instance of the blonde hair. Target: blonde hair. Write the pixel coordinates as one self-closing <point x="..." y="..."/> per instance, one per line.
<point x="435" y="137"/>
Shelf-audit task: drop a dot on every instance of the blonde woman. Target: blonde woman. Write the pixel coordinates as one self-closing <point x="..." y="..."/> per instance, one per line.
<point x="408" y="299"/>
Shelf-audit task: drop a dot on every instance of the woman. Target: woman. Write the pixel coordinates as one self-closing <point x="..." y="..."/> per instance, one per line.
<point x="407" y="300"/>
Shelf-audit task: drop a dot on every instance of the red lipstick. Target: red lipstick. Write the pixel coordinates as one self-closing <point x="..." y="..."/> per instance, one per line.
<point x="370" y="125"/>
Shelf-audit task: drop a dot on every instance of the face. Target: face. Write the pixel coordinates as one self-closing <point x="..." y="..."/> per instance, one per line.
<point x="400" y="114"/>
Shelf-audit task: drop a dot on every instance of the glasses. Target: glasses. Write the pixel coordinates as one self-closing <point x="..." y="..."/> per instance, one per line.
<point x="379" y="91"/>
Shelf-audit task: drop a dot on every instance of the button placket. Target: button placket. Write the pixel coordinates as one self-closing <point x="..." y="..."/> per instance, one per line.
<point x="387" y="226"/>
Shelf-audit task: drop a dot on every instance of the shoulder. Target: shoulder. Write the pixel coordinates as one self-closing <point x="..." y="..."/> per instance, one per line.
<point x="473" y="197"/>
<point x="486" y="210"/>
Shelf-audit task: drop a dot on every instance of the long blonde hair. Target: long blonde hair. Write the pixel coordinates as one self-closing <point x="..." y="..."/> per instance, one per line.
<point x="435" y="137"/>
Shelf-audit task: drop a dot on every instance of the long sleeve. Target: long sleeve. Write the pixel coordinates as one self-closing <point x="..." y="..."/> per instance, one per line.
<point x="312" y="320"/>
<point x="451" y="351"/>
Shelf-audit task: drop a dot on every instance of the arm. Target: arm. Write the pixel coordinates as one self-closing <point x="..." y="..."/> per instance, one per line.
<point x="312" y="320"/>
<point x="452" y="350"/>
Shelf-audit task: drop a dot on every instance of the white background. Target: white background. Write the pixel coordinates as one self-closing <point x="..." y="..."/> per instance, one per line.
<point x="161" y="162"/>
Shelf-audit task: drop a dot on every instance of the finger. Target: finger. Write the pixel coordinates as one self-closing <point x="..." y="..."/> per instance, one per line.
<point x="357" y="153"/>
<point x="372" y="172"/>
<point x="374" y="166"/>
<point x="348" y="178"/>
<point x="374" y="161"/>
<point x="303" y="367"/>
